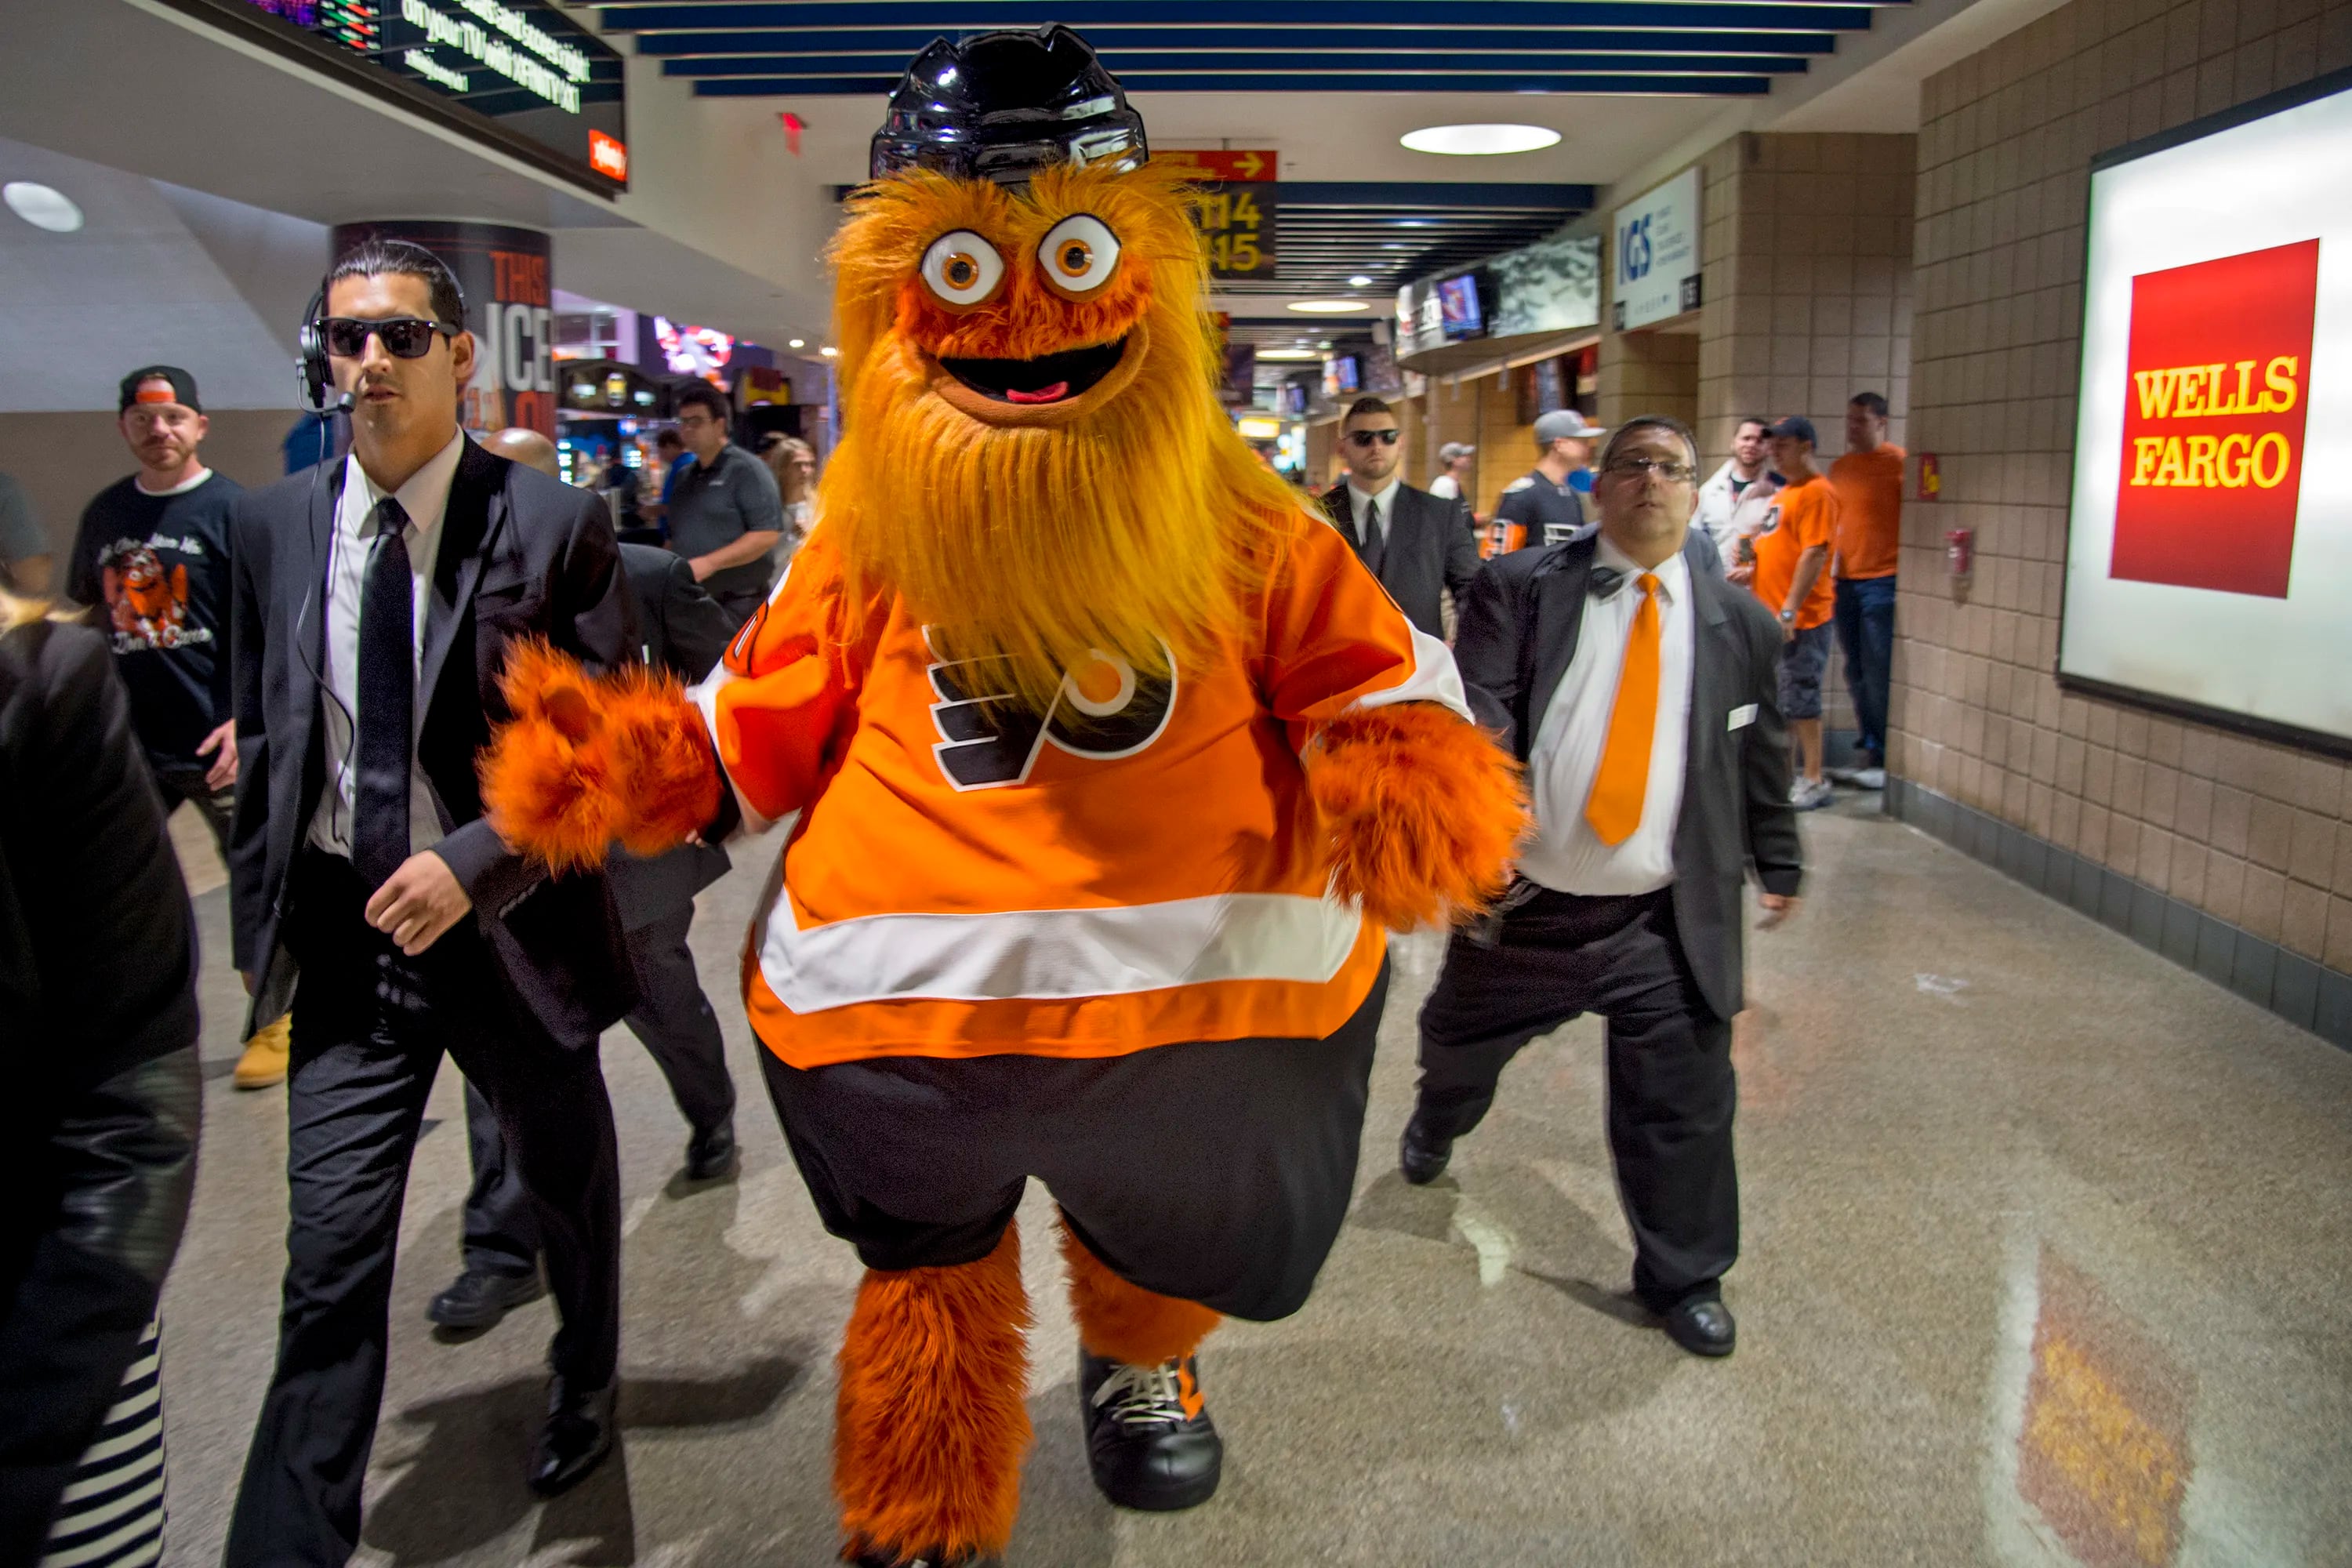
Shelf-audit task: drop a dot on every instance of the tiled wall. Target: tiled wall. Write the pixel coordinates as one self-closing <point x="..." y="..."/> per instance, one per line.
<point x="2252" y="833"/>
<point x="1648" y="373"/>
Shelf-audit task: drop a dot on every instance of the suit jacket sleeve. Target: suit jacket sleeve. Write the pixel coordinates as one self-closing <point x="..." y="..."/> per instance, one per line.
<point x="695" y="630"/>
<point x="1462" y="561"/>
<point x="590" y="616"/>
<point x="1773" y="845"/>
<point x="1486" y="647"/>
<point x="248" y="838"/>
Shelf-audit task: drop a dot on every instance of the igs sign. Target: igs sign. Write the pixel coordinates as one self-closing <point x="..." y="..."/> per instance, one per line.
<point x="2214" y="421"/>
<point x="1656" y="243"/>
<point x="2209" y="555"/>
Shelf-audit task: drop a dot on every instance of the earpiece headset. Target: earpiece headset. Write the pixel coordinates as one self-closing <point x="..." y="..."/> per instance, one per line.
<point x="313" y="375"/>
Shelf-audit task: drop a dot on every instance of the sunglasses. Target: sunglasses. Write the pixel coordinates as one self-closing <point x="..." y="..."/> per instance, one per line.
<point x="405" y="337"/>
<point x="1366" y="437"/>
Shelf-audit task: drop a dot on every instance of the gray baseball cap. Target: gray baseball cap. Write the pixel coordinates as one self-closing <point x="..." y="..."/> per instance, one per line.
<point x="1453" y="450"/>
<point x="1561" y="423"/>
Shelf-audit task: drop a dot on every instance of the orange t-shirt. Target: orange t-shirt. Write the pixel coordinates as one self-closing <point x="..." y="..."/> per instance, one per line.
<point x="1142" y="867"/>
<point x="1801" y="516"/>
<point x="1869" y="488"/>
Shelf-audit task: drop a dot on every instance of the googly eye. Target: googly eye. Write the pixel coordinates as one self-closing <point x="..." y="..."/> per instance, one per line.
<point x="963" y="269"/>
<point x="1080" y="254"/>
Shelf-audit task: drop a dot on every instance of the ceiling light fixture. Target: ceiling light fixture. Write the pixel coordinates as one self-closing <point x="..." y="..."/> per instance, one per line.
<point x="1360" y="280"/>
<point x="1327" y="307"/>
<point x="1287" y="353"/>
<point x="797" y="343"/>
<point x="43" y="207"/>
<point x="829" y="351"/>
<point x="1479" y="140"/>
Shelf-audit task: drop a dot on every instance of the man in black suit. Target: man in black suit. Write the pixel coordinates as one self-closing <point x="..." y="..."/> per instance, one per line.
<point x="1642" y="692"/>
<point x="680" y="628"/>
<point x="1417" y="545"/>
<point x="375" y="606"/>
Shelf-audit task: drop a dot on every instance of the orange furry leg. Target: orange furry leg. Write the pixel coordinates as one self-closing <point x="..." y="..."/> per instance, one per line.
<point x="1126" y="1323"/>
<point x="933" y="1419"/>
<point x="587" y="762"/>
<point x="1423" y="811"/>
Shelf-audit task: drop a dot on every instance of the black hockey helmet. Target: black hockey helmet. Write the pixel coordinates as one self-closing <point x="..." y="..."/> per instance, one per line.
<point x="1001" y="106"/>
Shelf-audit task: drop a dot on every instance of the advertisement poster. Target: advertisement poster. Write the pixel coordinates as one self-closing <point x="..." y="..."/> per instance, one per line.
<point x="1656" y="251"/>
<point x="1552" y="286"/>
<point x="2209" y="531"/>
<point x="509" y="309"/>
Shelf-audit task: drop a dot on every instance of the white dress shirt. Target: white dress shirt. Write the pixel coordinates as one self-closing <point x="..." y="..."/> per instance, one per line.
<point x="1382" y="503"/>
<point x="1567" y="855"/>
<point x="425" y="498"/>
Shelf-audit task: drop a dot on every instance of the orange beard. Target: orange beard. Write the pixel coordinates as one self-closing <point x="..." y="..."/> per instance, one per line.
<point x="1133" y="518"/>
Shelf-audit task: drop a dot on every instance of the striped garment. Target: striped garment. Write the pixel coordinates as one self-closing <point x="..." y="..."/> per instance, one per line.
<point x="111" y="1516"/>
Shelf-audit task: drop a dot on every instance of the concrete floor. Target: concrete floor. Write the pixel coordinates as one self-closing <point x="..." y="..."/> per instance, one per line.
<point x="2047" y="1256"/>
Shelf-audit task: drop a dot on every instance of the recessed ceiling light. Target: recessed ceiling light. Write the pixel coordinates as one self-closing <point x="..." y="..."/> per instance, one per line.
<point x="797" y="343"/>
<point x="1287" y="353"/>
<point x="1479" y="140"/>
<point x="1328" y="307"/>
<point x="829" y="351"/>
<point x="1360" y="280"/>
<point x="41" y="205"/>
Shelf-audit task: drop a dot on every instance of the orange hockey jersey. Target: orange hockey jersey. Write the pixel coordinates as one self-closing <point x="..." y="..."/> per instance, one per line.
<point x="1136" y="867"/>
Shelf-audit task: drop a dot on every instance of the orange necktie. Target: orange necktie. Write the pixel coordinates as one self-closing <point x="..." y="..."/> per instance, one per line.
<point x="1623" y="782"/>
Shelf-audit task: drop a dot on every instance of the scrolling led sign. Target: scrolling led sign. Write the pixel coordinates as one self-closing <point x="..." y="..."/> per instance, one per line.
<point x="521" y="65"/>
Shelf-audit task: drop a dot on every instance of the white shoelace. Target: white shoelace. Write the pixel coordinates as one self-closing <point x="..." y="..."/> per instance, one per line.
<point x="1145" y="1396"/>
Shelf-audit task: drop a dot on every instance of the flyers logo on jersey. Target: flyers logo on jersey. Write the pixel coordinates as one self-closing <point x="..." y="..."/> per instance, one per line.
<point x="987" y="738"/>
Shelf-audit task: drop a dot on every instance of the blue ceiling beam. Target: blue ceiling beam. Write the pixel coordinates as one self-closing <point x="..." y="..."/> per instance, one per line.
<point x="1325" y="82"/>
<point x="1425" y="194"/>
<point x="1340" y="18"/>
<point x="1300" y="70"/>
<point x="904" y="43"/>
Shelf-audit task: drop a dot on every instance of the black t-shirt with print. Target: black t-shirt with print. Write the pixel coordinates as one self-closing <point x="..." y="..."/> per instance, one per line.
<point x="157" y="570"/>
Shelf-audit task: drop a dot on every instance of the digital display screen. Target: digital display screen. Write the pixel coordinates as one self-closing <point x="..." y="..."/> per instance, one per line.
<point x="1458" y="298"/>
<point x="2209" y="533"/>
<point x="1342" y="376"/>
<point x="528" y="71"/>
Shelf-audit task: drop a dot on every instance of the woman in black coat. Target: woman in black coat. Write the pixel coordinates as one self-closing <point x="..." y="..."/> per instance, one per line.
<point x="99" y="1094"/>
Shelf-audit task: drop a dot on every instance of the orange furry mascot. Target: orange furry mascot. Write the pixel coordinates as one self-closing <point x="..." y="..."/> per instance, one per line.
<point x="1111" y="764"/>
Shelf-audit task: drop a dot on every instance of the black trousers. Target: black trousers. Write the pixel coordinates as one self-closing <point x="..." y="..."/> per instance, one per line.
<point x="673" y="1020"/>
<point x="1214" y="1171"/>
<point x="1672" y="1090"/>
<point x="370" y="1027"/>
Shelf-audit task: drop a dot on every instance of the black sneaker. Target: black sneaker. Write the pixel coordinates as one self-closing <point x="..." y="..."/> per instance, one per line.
<point x="478" y="1299"/>
<point x="1148" y="1437"/>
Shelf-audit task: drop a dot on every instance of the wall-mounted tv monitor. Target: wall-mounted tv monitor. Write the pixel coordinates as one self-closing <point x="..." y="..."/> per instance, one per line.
<point x="1465" y="315"/>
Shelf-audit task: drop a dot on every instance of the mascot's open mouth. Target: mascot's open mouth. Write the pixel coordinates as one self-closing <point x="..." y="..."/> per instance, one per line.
<point x="1031" y="383"/>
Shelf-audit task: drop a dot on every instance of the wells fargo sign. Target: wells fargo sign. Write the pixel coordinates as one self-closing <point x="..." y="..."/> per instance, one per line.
<point x="2220" y="361"/>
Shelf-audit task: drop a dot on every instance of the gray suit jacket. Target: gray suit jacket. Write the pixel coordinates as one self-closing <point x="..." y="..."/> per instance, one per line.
<point x="1518" y="631"/>
<point x="1431" y="551"/>
<point x="522" y="555"/>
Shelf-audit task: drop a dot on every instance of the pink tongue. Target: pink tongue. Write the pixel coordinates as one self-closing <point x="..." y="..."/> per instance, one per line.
<point x="1054" y="394"/>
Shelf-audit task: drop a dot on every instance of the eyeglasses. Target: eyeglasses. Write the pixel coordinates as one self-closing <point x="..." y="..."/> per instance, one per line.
<point x="404" y="337"/>
<point x="1366" y="437"/>
<point x="1642" y="467"/>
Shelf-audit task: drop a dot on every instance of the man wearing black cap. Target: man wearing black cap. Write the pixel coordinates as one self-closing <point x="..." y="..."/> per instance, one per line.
<point x="152" y="558"/>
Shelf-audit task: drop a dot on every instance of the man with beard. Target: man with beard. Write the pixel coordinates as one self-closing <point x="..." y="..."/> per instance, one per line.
<point x="1105" y="792"/>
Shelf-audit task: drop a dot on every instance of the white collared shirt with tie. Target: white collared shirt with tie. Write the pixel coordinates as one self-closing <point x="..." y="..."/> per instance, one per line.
<point x="1381" y="504"/>
<point x="1566" y="855"/>
<point x="425" y="498"/>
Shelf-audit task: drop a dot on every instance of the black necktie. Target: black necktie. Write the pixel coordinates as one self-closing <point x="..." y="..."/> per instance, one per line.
<point x="387" y="693"/>
<point x="1374" y="545"/>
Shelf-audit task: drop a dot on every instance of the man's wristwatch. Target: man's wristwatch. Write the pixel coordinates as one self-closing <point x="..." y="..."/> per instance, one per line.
<point x="1788" y="617"/>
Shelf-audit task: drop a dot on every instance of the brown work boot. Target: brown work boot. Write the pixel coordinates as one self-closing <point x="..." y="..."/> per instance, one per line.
<point x="263" y="1066"/>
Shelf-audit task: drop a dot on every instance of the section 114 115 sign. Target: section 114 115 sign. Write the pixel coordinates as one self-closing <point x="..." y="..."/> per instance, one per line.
<point x="1239" y="203"/>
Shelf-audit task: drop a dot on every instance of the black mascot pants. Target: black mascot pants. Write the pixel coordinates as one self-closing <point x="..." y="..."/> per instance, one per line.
<point x="1214" y="1171"/>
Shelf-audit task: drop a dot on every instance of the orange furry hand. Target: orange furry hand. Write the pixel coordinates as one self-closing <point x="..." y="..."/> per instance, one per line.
<point x="1423" y="812"/>
<point x="587" y="762"/>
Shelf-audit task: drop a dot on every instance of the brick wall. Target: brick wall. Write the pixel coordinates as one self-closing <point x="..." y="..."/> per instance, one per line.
<point x="2254" y="834"/>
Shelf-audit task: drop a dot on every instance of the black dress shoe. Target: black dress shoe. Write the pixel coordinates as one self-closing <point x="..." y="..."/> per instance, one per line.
<point x="478" y="1299"/>
<point x="880" y="1557"/>
<point x="577" y="1436"/>
<point x="1149" y="1437"/>
<point x="1701" y="1325"/>
<point x="1422" y="1154"/>
<point x="712" y="1154"/>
